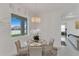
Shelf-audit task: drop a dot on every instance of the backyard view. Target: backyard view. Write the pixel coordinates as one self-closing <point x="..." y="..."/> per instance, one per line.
<point x="18" y="25"/>
<point x="15" y="26"/>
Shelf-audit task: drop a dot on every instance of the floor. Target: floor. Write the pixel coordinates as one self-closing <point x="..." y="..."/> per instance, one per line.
<point x="68" y="50"/>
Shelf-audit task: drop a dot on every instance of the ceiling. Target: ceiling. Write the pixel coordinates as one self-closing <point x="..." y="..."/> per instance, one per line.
<point x="41" y="8"/>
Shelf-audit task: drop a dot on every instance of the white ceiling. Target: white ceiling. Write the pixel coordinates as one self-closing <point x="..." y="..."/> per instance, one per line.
<point x="40" y="8"/>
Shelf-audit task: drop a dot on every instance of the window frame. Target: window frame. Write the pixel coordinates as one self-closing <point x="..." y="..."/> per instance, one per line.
<point x="27" y="26"/>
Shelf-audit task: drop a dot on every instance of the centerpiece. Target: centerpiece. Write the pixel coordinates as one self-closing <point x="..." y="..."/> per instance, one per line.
<point x="36" y="34"/>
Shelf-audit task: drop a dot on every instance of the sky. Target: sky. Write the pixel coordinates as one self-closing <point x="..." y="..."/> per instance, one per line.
<point x="15" y="21"/>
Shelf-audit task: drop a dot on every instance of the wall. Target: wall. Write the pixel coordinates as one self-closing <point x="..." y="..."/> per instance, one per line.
<point x="50" y="27"/>
<point x="5" y="39"/>
<point x="70" y="24"/>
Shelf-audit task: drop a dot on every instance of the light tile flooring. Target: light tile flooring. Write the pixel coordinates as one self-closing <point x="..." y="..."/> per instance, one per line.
<point x="68" y="50"/>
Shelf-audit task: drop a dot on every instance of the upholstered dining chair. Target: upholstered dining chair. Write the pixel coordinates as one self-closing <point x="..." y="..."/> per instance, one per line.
<point x="35" y="51"/>
<point x="50" y="50"/>
<point x="21" y="50"/>
<point x="51" y="42"/>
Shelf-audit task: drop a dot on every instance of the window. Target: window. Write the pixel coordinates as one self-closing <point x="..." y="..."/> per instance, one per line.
<point x="19" y="25"/>
<point x="63" y="35"/>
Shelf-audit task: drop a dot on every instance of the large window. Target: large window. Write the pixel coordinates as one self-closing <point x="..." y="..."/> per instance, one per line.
<point x="19" y="25"/>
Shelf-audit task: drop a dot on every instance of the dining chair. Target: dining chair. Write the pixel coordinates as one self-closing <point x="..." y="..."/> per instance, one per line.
<point x="51" y="43"/>
<point x="21" y="50"/>
<point x="35" y="51"/>
<point x="48" y="49"/>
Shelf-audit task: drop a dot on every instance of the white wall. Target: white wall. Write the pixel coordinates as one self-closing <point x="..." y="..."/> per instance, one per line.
<point x="49" y="26"/>
<point x="70" y="24"/>
<point x="5" y="38"/>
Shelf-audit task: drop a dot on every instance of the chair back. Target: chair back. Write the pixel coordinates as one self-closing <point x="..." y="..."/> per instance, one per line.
<point x="35" y="51"/>
<point x="18" y="45"/>
<point x="51" y="42"/>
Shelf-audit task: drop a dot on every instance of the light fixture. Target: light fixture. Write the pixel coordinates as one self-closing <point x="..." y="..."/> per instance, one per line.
<point x="35" y="19"/>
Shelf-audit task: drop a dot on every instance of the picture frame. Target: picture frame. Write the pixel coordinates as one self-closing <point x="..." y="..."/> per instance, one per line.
<point x="77" y="24"/>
